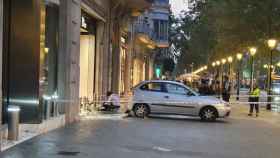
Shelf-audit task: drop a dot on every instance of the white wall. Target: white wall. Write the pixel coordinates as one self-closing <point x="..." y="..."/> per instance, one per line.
<point x="87" y="51"/>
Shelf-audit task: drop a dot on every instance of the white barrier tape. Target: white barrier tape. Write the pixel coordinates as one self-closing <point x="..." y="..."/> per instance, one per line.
<point x="188" y="103"/>
<point x="240" y="96"/>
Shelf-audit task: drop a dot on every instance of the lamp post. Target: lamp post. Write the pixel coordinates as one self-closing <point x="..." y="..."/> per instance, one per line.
<point x="271" y="44"/>
<point x="253" y="51"/>
<point x="265" y="66"/>
<point x="223" y="69"/>
<point x="239" y="57"/>
<point x="205" y="67"/>
<point x="230" y="59"/>
<point x="218" y="63"/>
<point x="223" y="63"/>
<point x="214" y="65"/>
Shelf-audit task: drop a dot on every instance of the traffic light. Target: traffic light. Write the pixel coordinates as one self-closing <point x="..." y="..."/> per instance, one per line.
<point x="158" y="72"/>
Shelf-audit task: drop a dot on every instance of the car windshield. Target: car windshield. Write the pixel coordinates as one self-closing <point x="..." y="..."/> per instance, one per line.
<point x="196" y="93"/>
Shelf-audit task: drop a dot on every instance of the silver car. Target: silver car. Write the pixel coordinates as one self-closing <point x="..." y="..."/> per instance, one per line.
<point x="168" y="97"/>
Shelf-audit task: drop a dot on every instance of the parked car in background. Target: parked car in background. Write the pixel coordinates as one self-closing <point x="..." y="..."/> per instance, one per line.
<point x="169" y="97"/>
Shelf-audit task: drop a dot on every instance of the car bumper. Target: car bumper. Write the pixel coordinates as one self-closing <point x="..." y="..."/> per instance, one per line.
<point x="224" y="112"/>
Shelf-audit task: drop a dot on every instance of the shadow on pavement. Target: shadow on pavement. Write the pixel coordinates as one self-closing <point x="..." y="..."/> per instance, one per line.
<point x="184" y="118"/>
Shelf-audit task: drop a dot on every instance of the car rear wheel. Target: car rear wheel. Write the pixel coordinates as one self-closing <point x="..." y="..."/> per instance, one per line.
<point x="208" y="114"/>
<point x="141" y="110"/>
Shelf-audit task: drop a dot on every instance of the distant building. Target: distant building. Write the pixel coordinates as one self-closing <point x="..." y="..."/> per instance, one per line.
<point x="152" y="28"/>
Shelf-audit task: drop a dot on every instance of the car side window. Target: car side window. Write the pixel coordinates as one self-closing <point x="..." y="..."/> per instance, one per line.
<point x="156" y="87"/>
<point x="176" y="89"/>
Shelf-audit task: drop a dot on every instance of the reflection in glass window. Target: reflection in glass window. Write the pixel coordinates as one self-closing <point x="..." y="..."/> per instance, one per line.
<point x="175" y="89"/>
<point x="48" y="50"/>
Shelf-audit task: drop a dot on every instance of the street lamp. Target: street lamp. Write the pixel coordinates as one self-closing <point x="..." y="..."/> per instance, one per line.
<point x="205" y="67"/>
<point x="229" y="59"/>
<point x="213" y="64"/>
<point x="253" y="52"/>
<point x="239" y="57"/>
<point x="272" y="45"/>
<point x="224" y="61"/>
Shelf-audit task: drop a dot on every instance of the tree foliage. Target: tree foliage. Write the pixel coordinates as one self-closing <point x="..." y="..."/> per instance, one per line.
<point x="219" y="28"/>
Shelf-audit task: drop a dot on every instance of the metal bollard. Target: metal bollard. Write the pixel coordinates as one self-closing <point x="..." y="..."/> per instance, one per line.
<point x="55" y="109"/>
<point x="48" y="109"/>
<point x="13" y="122"/>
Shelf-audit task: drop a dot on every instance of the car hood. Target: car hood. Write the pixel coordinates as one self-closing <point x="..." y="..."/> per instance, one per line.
<point x="208" y="100"/>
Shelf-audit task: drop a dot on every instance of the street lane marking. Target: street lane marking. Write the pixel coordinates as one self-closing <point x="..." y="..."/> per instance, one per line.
<point x="161" y="149"/>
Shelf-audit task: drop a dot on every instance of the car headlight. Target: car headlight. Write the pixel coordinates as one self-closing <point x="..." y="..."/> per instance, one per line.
<point x="223" y="104"/>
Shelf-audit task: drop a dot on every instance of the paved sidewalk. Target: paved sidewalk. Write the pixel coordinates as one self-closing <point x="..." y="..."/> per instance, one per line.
<point x="241" y="112"/>
<point x="239" y="136"/>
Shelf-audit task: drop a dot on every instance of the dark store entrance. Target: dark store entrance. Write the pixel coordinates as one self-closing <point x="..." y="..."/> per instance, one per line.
<point x="30" y="56"/>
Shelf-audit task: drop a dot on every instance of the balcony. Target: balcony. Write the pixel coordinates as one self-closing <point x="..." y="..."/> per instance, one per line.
<point x="145" y="34"/>
<point x="161" y="41"/>
<point x="158" y="4"/>
<point x="148" y="35"/>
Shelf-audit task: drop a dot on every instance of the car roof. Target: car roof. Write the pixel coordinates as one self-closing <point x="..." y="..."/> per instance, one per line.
<point x="160" y="81"/>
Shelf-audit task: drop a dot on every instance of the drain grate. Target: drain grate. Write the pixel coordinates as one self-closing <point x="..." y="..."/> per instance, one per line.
<point x="68" y="153"/>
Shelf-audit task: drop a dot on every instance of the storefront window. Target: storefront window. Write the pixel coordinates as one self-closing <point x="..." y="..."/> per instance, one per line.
<point x="88" y="60"/>
<point x="49" y="50"/>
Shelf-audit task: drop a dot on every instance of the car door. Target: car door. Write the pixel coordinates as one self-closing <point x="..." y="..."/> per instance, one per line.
<point x="181" y="99"/>
<point x="153" y="94"/>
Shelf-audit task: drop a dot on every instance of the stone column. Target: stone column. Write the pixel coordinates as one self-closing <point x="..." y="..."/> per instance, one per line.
<point x="147" y="67"/>
<point x="99" y="58"/>
<point x="129" y="59"/>
<point x="116" y="57"/>
<point x="69" y="55"/>
<point x="106" y="56"/>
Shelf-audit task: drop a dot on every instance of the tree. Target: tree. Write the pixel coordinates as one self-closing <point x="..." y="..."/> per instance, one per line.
<point x="219" y="28"/>
<point x="168" y="65"/>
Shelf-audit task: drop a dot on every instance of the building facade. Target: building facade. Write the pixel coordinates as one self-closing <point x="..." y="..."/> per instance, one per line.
<point x="152" y="29"/>
<point x="160" y="12"/>
<point x="58" y="51"/>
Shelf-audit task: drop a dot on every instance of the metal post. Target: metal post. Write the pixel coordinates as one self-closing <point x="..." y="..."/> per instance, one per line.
<point x="269" y="99"/>
<point x="252" y="74"/>
<point x="48" y="109"/>
<point x="13" y="122"/>
<point x="238" y="80"/>
<point x="55" y="110"/>
<point x="222" y="80"/>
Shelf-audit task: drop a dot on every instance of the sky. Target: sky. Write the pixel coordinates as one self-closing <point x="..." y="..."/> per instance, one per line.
<point x="178" y="5"/>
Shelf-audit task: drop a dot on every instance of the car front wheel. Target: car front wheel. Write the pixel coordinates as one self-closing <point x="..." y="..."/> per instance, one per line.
<point x="141" y="110"/>
<point x="208" y="114"/>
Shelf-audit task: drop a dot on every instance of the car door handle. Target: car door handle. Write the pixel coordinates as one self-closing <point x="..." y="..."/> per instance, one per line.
<point x="167" y="97"/>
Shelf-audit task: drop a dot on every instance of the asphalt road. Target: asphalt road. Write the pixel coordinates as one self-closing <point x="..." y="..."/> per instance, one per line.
<point x="155" y="138"/>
